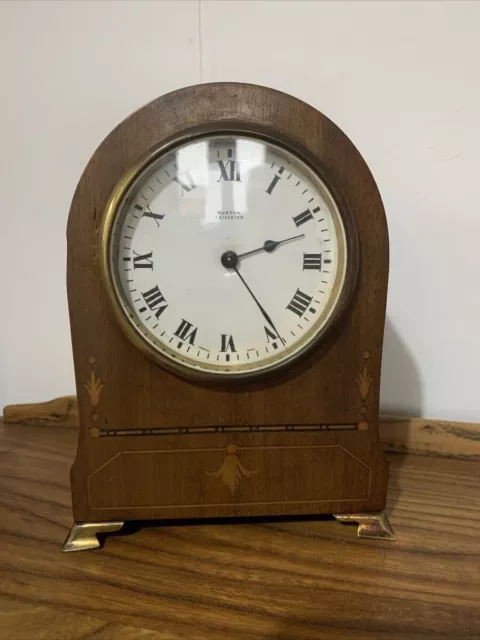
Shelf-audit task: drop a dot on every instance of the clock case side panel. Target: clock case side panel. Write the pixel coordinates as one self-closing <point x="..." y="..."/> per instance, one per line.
<point x="118" y="388"/>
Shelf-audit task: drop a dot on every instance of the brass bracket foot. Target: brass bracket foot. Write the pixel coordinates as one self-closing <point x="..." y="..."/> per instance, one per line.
<point x="83" y="535"/>
<point x="370" y="525"/>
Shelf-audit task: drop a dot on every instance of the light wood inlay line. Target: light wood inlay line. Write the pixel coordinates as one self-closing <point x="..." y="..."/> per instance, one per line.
<point x="397" y="434"/>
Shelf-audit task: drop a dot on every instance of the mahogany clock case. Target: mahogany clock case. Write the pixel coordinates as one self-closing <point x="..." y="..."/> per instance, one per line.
<point x="154" y="445"/>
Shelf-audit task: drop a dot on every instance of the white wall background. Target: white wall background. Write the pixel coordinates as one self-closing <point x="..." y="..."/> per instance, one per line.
<point x="400" y="78"/>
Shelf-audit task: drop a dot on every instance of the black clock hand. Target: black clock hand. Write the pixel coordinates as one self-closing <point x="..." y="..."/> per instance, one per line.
<point x="270" y="245"/>
<point x="264" y="313"/>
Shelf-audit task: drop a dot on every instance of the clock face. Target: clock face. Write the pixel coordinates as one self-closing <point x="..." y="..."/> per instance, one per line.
<point x="227" y="256"/>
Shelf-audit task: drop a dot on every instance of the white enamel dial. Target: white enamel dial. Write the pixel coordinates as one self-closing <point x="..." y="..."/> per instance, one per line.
<point x="227" y="256"/>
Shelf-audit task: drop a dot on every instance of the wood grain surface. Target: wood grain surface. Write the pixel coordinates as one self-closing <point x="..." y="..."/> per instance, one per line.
<point x="398" y="434"/>
<point x="264" y="580"/>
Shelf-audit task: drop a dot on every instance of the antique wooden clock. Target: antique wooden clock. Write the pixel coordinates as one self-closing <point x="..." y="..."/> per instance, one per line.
<point x="227" y="281"/>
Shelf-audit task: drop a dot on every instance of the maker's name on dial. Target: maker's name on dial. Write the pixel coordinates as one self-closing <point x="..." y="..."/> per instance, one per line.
<point x="230" y="215"/>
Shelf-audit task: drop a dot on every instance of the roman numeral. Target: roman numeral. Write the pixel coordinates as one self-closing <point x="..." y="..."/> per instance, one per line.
<point x="271" y="336"/>
<point x="186" y="331"/>
<point x="186" y="182"/>
<point x="154" y="300"/>
<point x="271" y="186"/>
<point x="312" y="261"/>
<point x="227" y="343"/>
<point x="143" y="260"/>
<point x="303" y="217"/>
<point x="148" y="213"/>
<point x="299" y="303"/>
<point x="229" y="171"/>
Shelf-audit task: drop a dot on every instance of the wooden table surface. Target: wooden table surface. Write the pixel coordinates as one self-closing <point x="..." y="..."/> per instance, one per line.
<point x="265" y="580"/>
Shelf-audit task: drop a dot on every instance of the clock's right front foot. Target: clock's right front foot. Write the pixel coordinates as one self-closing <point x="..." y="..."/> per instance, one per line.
<point x="370" y="525"/>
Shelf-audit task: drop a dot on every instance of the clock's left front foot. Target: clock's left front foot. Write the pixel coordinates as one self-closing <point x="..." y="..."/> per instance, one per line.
<point x="370" y="525"/>
<point x="84" y="535"/>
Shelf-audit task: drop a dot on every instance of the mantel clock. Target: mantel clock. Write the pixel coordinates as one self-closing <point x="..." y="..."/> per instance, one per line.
<point x="227" y="280"/>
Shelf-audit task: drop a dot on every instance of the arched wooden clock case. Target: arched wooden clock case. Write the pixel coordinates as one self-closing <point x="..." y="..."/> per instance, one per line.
<point x="155" y="445"/>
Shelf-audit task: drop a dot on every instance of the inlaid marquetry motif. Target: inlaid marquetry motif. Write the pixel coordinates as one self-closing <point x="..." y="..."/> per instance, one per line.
<point x="364" y="381"/>
<point x="94" y="387"/>
<point x="231" y="471"/>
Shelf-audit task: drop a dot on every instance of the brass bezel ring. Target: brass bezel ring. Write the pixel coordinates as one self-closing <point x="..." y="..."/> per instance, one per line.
<point x="174" y="363"/>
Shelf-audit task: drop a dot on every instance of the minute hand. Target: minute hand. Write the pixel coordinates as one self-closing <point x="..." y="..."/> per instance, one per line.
<point x="269" y="246"/>
<point x="264" y="313"/>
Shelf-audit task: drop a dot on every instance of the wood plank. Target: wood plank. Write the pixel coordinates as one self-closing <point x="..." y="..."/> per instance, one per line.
<point x="430" y="437"/>
<point x="62" y="412"/>
<point x="302" y="579"/>
<point x="398" y="434"/>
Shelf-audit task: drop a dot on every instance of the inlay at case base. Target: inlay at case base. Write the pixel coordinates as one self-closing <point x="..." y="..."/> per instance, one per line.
<point x="84" y="535"/>
<point x="370" y="525"/>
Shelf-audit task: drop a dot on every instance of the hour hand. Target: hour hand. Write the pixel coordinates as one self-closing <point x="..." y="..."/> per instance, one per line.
<point x="269" y="246"/>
